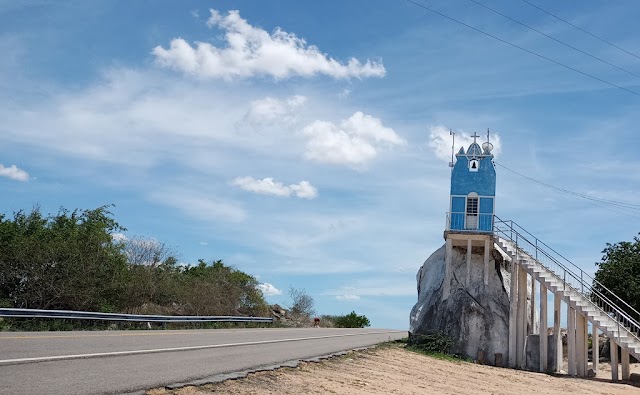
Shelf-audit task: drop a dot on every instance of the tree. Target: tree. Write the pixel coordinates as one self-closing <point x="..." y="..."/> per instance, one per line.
<point x="153" y="274"/>
<point x="62" y="261"/>
<point x="70" y="261"/>
<point x="619" y="272"/>
<point x="218" y="289"/>
<point x="148" y="252"/>
<point x="302" y="306"/>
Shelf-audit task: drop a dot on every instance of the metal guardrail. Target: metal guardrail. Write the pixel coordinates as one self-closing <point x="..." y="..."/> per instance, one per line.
<point x="87" y="315"/>
<point x="571" y="275"/>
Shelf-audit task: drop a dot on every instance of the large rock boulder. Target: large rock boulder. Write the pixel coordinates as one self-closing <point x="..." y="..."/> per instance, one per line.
<point x="475" y="316"/>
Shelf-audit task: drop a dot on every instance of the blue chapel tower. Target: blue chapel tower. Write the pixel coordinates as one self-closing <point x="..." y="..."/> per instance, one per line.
<point x="473" y="190"/>
<point x="471" y="208"/>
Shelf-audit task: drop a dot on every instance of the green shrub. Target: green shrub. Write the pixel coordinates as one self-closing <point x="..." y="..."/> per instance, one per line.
<point x="351" y="320"/>
<point x="433" y="342"/>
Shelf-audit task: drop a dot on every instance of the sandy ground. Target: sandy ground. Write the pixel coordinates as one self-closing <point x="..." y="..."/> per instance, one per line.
<point x="393" y="370"/>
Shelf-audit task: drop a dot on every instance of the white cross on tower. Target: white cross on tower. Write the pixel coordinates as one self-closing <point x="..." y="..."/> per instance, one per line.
<point x="475" y="135"/>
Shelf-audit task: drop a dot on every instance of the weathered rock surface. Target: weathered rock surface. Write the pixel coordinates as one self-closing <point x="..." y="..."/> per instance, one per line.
<point x="278" y="312"/>
<point x="475" y="316"/>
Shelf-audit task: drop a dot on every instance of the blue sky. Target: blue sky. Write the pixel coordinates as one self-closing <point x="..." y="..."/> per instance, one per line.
<point x="307" y="142"/>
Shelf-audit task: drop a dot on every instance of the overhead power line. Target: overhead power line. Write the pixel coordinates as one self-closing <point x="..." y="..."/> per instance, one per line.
<point x="631" y="209"/>
<point x="523" y="49"/>
<point x="554" y="39"/>
<point x="582" y="30"/>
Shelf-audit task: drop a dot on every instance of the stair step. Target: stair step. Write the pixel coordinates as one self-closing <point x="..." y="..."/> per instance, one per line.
<point x="611" y="329"/>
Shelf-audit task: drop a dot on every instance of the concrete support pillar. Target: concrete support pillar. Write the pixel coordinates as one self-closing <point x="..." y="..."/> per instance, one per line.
<point x="571" y="341"/>
<point x="487" y="250"/>
<point x="447" y="271"/>
<point x="556" y="330"/>
<point x="522" y="318"/>
<point x="513" y="309"/>
<point x="613" y="346"/>
<point x="531" y="330"/>
<point x="595" y="347"/>
<point x="468" y="280"/>
<point x="585" y="336"/>
<point x="581" y="346"/>
<point x="624" y="359"/>
<point x="543" y="328"/>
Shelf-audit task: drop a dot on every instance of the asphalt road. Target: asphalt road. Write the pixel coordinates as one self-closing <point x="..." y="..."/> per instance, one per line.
<point x="117" y="362"/>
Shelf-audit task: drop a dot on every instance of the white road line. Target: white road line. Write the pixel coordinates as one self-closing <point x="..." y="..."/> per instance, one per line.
<point x="157" y="350"/>
<point x="47" y="335"/>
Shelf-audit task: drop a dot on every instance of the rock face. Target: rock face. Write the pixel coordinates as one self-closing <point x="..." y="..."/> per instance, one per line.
<point x="278" y="312"/>
<point x="475" y="316"/>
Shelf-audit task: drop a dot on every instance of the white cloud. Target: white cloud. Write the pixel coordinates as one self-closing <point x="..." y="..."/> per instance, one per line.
<point x="440" y="142"/>
<point x="201" y="207"/>
<point x="267" y="186"/>
<point x="269" y="289"/>
<point x="354" y="143"/>
<point x="252" y="51"/>
<point x="131" y="117"/>
<point x="14" y="173"/>
<point x="391" y="285"/>
<point x="304" y="190"/>
<point x="118" y="237"/>
<point x="347" y="293"/>
<point x="204" y="243"/>
<point x="345" y="93"/>
<point x="269" y="111"/>
<point x="347" y="297"/>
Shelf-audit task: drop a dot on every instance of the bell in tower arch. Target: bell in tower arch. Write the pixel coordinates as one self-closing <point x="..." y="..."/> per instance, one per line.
<point x="473" y="165"/>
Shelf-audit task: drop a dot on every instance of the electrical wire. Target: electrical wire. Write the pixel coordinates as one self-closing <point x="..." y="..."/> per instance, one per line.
<point x="522" y="48"/>
<point x="554" y="39"/>
<point x="582" y="30"/>
<point x="630" y="208"/>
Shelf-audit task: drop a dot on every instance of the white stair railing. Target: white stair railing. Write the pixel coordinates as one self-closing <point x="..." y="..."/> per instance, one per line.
<point x="571" y="276"/>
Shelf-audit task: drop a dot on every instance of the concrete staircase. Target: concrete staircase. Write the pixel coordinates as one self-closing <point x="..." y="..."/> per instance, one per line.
<point x="597" y="308"/>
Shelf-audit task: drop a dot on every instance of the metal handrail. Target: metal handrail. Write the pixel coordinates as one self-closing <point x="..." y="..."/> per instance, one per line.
<point x="602" y="302"/>
<point x="89" y="315"/>
<point x="583" y="274"/>
<point x="481" y="217"/>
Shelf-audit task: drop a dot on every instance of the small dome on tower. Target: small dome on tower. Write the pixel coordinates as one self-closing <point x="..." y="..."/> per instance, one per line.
<point x="474" y="150"/>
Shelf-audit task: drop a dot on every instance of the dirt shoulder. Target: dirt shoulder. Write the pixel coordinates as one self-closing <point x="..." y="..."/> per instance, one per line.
<point x="393" y="370"/>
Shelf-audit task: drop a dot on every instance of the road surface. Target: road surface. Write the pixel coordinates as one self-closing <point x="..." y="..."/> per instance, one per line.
<point x="116" y="362"/>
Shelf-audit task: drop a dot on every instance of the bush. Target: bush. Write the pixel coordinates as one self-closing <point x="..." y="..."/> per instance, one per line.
<point x="436" y="342"/>
<point x="351" y="320"/>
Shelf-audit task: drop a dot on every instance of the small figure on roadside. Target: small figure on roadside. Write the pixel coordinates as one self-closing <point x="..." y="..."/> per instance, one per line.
<point x="316" y="322"/>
